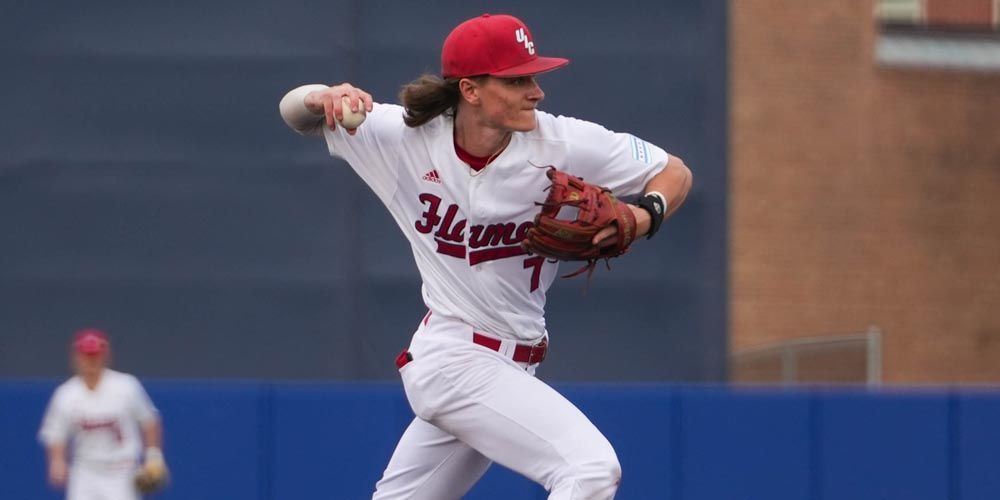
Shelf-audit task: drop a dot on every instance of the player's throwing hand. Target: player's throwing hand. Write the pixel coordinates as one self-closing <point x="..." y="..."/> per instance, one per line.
<point x="336" y="102"/>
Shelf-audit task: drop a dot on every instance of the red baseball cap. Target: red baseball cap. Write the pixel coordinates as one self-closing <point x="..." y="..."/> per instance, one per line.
<point x="90" y="341"/>
<point x="499" y="45"/>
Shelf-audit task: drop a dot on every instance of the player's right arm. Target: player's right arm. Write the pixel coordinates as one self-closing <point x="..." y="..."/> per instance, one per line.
<point x="307" y="108"/>
<point x="58" y="470"/>
<point x="372" y="149"/>
<point x="54" y="435"/>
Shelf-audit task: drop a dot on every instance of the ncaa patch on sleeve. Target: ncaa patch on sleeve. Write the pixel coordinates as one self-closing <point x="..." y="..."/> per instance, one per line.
<point x="640" y="151"/>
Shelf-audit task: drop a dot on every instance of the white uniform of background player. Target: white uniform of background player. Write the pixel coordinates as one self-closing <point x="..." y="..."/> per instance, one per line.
<point x="462" y="187"/>
<point x="101" y="418"/>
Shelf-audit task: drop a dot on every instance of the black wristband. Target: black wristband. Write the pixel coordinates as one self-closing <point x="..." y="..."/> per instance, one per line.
<point x="655" y="205"/>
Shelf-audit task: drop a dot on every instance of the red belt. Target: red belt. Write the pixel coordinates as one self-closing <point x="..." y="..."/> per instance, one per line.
<point x="530" y="354"/>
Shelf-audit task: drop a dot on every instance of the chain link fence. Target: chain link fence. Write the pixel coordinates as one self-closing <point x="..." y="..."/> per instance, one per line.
<point x="848" y="358"/>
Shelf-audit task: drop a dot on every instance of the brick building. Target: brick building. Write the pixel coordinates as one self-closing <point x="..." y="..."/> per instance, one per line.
<point x="865" y="184"/>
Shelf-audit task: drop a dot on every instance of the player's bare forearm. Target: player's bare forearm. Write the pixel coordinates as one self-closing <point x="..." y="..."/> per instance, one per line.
<point x="57" y="464"/>
<point x="152" y="433"/>
<point x="56" y="452"/>
<point x="329" y="102"/>
<point x="307" y="107"/>
<point x="674" y="182"/>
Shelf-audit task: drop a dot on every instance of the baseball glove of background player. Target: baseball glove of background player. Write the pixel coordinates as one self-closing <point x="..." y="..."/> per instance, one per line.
<point x="572" y="239"/>
<point x="151" y="477"/>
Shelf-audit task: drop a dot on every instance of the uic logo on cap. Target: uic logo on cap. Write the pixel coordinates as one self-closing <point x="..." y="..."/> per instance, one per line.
<point x="522" y="38"/>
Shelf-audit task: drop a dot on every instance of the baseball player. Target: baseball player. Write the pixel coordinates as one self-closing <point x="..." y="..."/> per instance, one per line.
<point x="101" y="418"/>
<point x="457" y="167"/>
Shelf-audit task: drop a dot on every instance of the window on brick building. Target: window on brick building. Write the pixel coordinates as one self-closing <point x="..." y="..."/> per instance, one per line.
<point x="939" y="15"/>
<point x="949" y="34"/>
<point x="900" y="12"/>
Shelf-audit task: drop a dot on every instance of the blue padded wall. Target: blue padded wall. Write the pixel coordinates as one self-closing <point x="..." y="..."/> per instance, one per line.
<point x="216" y="435"/>
<point x="271" y="441"/>
<point x="877" y="446"/>
<point x="977" y="446"/>
<point x="647" y="458"/>
<point x="346" y="431"/>
<point x="744" y="445"/>
<point x="22" y="459"/>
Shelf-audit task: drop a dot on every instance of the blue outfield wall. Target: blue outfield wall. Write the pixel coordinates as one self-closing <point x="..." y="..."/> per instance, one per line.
<point x="264" y="441"/>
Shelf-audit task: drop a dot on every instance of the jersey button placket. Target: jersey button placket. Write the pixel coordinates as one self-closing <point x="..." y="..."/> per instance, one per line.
<point x="479" y="210"/>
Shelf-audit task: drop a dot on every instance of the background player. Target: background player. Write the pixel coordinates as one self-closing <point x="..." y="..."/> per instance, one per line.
<point x="101" y="418"/>
<point x="456" y="167"/>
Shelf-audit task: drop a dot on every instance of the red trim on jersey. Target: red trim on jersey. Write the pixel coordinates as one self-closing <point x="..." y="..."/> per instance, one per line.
<point x="476" y="162"/>
<point x="450" y="249"/>
<point x="477" y="256"/>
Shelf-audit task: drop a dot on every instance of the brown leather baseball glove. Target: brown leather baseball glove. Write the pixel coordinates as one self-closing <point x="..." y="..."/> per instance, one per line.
<point x="572" y="239"/>
<point x="151" y="477"/>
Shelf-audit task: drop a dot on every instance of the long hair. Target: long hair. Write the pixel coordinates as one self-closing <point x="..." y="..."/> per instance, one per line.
<point x="429" y="96"/>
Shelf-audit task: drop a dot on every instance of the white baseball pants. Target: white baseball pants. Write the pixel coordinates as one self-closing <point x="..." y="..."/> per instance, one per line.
<point x="96" y="482"/>
<point x="474" y="407"/>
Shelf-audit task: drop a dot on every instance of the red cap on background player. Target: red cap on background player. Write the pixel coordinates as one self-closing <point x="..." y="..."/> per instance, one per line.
<point x="499" y="45"/>
<point x="90" y="341"/>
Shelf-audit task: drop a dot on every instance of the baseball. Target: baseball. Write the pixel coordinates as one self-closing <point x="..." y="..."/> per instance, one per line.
<point x="352" y="119"/>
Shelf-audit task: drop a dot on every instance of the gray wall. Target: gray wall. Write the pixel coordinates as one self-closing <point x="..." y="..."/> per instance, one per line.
<point x="149" y="187"/>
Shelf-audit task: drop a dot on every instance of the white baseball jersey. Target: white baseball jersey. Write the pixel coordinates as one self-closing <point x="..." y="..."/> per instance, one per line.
<point x="464" y="226"/>
<point x="103" y="423"/>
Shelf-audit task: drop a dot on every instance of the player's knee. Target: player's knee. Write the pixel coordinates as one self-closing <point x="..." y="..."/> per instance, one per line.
<point x="600" y="479"/>
<point x="597" y="478"/>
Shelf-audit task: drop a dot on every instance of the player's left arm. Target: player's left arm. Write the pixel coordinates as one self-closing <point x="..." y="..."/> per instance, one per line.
<point x="152" y="430"/>
<point x="673" y="182"/>
<point x="152" y="433"/>
<point x="153" y="474"/>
